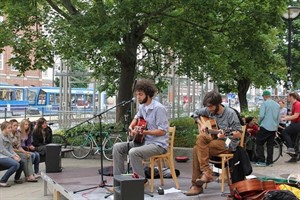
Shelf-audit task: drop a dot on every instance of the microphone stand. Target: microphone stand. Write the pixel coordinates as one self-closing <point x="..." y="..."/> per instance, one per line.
<point x="103" y="182"/>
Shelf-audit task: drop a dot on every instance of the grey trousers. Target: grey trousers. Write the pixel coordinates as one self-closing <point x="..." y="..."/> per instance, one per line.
<point x="28" y="169"/>
<point x="136" y="155"/>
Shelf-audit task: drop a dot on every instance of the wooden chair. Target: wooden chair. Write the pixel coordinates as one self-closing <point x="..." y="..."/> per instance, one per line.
<point x="224" y="157"/>
<point x="169" y="157"/>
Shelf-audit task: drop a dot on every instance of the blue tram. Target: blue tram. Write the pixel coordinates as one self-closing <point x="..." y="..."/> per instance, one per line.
<point x="47" y="99"/>
<point x="18" y="100"/>
<point x="13" y="99"/>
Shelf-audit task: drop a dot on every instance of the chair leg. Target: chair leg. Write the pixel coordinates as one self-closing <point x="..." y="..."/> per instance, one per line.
<point x="172" y="169"/>
<point x="223" y="175"/>
<point x="152" y="175"/>
<point x="161" y="177"/>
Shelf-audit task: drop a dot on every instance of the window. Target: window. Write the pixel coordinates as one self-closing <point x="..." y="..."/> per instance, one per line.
<point x="32" y="96"/>
<point x="1" y="61"/>
<point x="13" y="67"/>
<point x="42" y="98"/>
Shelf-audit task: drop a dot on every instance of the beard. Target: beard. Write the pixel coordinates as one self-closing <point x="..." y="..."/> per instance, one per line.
<point x="215" y="112"/>
<point x="144" y="100"/>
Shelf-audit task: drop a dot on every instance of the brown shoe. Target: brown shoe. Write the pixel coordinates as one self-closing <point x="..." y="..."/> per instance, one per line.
<point x="205" y="178"/>
<point x="194" y="190"/>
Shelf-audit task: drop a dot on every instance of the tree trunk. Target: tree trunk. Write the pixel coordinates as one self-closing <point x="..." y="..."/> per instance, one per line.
<point x="243" y="86"/>
<point x="128" y="60"/>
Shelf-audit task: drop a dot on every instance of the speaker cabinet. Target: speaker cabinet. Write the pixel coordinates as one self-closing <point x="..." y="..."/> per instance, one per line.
<point x="53" y="158"/>
<point x="128" y="188"/>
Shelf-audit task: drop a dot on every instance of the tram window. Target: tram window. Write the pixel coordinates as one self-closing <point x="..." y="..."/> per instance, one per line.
<point x="31" y="96"/>
<point x="42" y="97"/>
<point x="51" y="101"/>
<point x="2" y="95"/>
<point x="57" y="98"/>
<point x="6" y="95"/>
<point x="19" y="95"/>
<point x="89" y="98"/>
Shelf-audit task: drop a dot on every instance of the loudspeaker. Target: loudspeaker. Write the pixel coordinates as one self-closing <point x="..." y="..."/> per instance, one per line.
<point x="53" y="158"/>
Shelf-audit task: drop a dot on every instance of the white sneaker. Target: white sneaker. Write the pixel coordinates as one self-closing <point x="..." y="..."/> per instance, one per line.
<point x="4" y="185"/>
<point x="36" y="176"/>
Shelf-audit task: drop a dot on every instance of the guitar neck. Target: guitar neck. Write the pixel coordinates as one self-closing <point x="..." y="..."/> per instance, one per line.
<point x="215" y="132"/>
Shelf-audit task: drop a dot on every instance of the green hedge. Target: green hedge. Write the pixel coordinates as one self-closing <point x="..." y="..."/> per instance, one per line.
<point x="186" y="131"/>
<point x="185" y="136"/>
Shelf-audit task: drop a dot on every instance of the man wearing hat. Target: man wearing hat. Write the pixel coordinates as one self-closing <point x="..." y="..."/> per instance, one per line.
<point x="269" y="118"/>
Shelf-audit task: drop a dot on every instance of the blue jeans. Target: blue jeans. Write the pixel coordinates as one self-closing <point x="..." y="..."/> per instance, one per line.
<point x="12" y="166"/>
<point x="35" y="156"/>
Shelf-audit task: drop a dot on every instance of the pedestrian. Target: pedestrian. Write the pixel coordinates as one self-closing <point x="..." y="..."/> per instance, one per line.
<point x="269" y="117"/>
<point x="290" y="133"/>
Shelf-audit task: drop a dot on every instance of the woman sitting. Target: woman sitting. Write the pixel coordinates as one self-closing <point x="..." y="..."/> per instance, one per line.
<point x="8" y="158"/>
<point x="24" y="155"/>
<point x="42" y="135"/>
<point x="25" y="132"/>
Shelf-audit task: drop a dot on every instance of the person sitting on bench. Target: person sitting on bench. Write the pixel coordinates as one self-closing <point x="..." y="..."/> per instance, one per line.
<point x="8" y="158"/>
<point x="42" y="135"/>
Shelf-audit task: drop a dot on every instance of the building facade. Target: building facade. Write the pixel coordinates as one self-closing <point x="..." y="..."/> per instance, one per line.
<point x="9" y="75"/>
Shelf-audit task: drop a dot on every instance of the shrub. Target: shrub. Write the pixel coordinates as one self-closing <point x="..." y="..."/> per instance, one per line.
<point x="186" y="131"/>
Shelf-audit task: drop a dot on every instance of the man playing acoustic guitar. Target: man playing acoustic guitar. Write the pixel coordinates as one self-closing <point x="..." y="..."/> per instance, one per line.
<point x="226" y="118"/>
<point x="152" y="123"/>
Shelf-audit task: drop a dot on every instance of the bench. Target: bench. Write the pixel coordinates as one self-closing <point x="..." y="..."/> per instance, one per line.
<point x="43" y="158"/>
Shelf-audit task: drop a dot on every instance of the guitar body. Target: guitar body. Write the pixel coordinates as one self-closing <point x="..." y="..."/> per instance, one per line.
<point x="140" y="127"/>
<point x="210" y="124"/>
<point x="252" y="189"/>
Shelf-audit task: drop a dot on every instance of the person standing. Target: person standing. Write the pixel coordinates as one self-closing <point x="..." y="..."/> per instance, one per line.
<point x="290" y="133"/>
<point x="269" y="118"/>
<point x="206" y="146"/>
<point x="155" y="133"/>
<point x="283" y="112"/>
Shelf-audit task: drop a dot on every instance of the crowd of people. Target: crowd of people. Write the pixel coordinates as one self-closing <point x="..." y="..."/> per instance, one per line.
<point x="272" y="116"/>
<point x="21" y="146"/>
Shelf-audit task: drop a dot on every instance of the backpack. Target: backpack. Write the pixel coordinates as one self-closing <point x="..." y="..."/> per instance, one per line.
<point x="279" y="195"/>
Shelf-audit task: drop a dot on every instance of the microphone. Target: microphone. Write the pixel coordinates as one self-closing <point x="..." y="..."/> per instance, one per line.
<point x="129" y="101"/>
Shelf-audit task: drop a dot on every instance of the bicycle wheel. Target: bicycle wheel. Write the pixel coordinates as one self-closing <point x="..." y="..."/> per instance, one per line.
<point x="59" y="139"/>
<point x="108" y="146"/>
<point x="81" y="146"/>
<point x="277" y="151"/>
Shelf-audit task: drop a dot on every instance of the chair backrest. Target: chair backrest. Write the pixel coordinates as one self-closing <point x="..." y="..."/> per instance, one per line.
<point x="243" y="136"/>
<point x="171" y="139"/>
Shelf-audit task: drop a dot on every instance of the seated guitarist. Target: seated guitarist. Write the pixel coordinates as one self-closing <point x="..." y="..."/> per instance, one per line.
<point x="206" y="146"/>
<point x="155" y="133"/>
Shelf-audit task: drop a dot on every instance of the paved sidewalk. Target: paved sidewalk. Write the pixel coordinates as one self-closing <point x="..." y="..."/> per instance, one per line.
<point x="34" y="191"/>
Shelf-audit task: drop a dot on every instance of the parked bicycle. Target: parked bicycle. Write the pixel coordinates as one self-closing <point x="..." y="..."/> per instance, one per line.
<point x="82" y="145"/>
<point x="278" y="147"/>
<point x="60" y="139"/>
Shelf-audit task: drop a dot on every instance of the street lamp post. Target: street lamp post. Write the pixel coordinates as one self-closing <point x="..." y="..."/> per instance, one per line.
<point x="293" y="13"/>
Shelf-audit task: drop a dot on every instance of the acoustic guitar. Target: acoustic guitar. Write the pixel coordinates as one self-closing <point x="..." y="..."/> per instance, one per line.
<point x="141" y="125"/>
<point x="212" y="128"/>
<point x="252" y="189"/>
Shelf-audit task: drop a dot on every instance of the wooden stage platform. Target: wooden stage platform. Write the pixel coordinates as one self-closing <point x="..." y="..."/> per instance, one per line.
<point x="75" y="183"/>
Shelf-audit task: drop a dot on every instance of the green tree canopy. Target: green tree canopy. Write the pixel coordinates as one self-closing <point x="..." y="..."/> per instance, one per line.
<point x="233" y="41"/>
